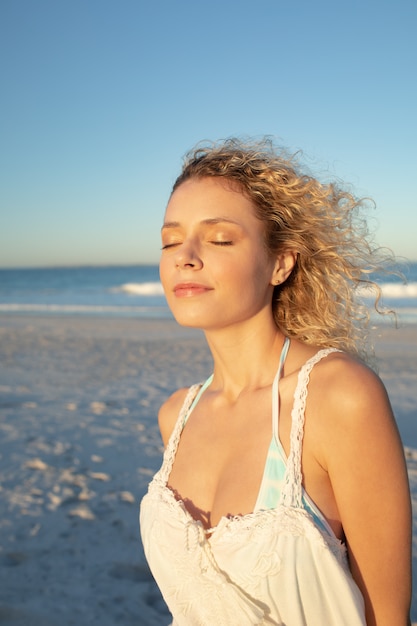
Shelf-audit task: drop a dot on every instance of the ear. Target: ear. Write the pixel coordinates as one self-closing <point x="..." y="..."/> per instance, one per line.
<point x="283" y="267"/>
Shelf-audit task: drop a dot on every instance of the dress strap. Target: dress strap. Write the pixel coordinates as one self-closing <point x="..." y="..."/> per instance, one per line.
<point x="172" y="445"/>
<point x="275" y="392"/>
<point x="186" y="414"/>
<point x="292" y="491"/>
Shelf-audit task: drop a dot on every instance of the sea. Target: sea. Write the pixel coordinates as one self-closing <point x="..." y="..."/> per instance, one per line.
<point x="136" y="291"/>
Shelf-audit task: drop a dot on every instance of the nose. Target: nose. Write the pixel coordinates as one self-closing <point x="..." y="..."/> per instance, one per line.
<point x="187" y="256"/>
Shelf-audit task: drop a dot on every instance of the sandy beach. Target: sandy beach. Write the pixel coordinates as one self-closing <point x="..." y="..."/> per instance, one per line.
<point x="79" y="442"/>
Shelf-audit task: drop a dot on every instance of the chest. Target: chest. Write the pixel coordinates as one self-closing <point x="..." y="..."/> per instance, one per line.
<point x="220" y="460"/>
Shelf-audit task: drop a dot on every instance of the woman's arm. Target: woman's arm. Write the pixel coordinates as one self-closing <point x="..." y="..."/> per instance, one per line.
<point x="367" y="470"/>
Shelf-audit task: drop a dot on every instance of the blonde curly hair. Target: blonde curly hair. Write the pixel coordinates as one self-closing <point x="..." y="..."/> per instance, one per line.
<point x="320" y="302"/>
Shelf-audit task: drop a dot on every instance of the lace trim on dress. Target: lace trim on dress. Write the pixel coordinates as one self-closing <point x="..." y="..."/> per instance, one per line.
<point x="170" y="451"/>
<point x="291" y="494"/>
<point x="290" y="520"/>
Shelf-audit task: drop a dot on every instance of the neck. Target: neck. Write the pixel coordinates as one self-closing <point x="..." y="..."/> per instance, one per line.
<point x="245" y="356"/>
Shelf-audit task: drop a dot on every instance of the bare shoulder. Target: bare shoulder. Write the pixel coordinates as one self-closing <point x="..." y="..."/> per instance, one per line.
<point x="350" y="386"/>
<point x="353" y="407"/>
<point x="168" y="413"/>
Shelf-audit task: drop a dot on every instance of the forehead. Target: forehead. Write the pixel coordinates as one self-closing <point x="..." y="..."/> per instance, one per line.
<point x="209" y="198"/>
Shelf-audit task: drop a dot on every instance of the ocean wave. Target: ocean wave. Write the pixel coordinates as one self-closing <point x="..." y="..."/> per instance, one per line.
<point x="395" y="290"/>
<point x="141" y="289"/>
<point x="392" y="290"/>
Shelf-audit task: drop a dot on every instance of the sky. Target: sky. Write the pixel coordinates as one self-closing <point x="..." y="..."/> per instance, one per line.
<point x="101" y="99"/>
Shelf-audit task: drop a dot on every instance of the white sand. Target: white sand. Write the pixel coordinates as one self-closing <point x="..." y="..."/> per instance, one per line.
<point x="78" y="444"/>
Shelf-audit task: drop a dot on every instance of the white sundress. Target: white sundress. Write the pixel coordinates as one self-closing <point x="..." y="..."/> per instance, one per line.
<point x="274" y="566"/>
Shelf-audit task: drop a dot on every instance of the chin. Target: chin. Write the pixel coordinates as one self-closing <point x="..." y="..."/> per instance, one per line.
<point x="190" y="316"/>
<point x="188" y="321"/>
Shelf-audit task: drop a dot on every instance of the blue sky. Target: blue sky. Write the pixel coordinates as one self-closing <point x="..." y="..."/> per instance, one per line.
<point x="101" y="99"/>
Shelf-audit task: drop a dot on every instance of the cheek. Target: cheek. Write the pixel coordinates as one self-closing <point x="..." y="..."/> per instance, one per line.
<point x="247" y="271"/>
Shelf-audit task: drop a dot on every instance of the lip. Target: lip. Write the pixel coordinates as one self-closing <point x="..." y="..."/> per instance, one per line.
<point x="188" y="290"/>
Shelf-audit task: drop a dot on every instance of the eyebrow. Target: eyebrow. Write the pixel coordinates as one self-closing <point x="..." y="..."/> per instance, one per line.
<point x="212" y="221"/>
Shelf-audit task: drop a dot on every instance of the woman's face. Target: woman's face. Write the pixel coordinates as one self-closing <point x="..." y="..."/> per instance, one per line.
<point x="214" y="266"/>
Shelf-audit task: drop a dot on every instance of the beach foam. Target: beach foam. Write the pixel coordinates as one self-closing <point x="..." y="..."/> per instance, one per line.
<point x="391" y="290"/>
<point x="141" y="289"/>
<point x="68" y="309"/>
<point x="395" y="290"/>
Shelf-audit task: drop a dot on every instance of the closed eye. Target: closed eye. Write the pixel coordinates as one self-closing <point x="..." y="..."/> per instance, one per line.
<point x="222" y="243"/>
<point x="170" y="245"/>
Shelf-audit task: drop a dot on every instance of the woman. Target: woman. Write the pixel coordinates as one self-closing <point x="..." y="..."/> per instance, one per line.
<point x="283" y="495"/>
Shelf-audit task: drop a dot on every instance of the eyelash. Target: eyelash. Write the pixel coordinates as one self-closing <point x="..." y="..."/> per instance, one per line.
<point x="216" y="243"/>
<point x="169" y="245"/>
